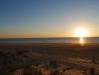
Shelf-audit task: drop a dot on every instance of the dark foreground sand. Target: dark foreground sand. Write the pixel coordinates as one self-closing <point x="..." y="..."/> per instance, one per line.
<point x="48" y="59"/>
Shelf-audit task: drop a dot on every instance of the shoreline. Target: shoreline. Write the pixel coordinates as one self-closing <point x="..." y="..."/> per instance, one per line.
<point x="50" y="44"/>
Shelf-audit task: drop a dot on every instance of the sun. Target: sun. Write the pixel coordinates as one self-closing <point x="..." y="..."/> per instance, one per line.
<point x="80" y="32"/>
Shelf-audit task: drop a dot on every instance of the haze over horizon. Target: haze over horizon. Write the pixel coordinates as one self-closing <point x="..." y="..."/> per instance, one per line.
<point x="48" y="18"/>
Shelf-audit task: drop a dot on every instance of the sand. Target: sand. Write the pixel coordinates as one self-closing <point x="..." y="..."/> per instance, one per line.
<point x="16" y="55"/>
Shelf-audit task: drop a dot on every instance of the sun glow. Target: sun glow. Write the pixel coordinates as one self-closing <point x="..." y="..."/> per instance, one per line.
<point x="81" y="33"/>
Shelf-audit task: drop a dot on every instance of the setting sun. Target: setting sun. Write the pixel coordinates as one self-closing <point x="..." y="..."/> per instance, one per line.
<point x="80" y="32"/>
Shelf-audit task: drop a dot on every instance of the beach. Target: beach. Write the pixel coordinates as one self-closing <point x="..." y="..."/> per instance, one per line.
<point x="71" y="57"/>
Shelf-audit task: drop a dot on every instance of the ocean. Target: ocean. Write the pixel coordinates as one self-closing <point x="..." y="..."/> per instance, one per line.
<point x="49" y="40"/>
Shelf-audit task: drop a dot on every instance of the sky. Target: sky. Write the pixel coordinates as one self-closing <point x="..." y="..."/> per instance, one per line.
<point x="47" y="18"/>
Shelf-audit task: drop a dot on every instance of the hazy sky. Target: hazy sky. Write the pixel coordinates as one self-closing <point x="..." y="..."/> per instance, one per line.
<point x="44" y="18"/>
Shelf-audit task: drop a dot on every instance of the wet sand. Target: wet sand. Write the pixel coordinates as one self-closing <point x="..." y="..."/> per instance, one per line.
<point x="48" y="47"/>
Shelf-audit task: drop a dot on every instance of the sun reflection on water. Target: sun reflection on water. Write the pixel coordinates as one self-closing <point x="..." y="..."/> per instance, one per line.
<point x="81" y="41"/>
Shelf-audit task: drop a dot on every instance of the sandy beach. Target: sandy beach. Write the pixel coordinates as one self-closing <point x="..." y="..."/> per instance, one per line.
<point x="16" y="56"/>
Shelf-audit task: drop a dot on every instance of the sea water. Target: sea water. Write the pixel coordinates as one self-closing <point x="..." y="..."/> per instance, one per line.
<point x="49" y="40"/>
